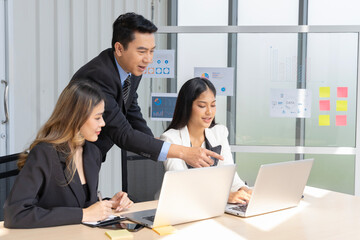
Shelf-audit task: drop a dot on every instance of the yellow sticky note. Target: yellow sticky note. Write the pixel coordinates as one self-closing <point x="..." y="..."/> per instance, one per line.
<point x="324" y="120"/>
<point x="165" y="230"/>
<point x="324" y="92"/>
<point x="341" y="105"/>
<point x="119" y="234"/>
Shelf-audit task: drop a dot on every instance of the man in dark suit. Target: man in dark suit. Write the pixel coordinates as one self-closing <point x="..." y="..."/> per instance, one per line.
<point x="118" y="71"/>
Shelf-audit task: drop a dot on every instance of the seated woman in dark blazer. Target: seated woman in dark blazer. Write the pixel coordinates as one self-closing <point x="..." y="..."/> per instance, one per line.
<point x="58" y="181"/>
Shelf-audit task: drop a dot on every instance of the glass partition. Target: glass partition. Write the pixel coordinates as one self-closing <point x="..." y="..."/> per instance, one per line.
<point x="333" y="172"/>
<point x="248" y="164"/>
<point x="334" y="12"/>
<point x="264" y="62"/>
<point x="332" y="79"/>
<point x="202" y="50"/>
<point x="202" y="12"/>
<point x="267" y="62"/>
<point x="274" y="12"/>
<point x="192" y="51"/>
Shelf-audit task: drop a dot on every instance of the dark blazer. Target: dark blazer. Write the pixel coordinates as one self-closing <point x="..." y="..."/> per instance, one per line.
<point x="41" y="196"/>
<point x="125" y="125"/>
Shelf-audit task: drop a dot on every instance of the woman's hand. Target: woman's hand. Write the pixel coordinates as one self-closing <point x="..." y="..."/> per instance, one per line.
<point x="121" y="201"/>
<point x="242" y="196"/>
<point x="98" y="211"/>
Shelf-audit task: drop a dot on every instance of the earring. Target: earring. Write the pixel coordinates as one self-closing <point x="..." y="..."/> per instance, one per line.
<point x="80" y="135"/>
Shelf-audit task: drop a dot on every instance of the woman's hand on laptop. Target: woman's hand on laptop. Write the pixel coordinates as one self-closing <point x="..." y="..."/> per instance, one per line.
<point x="121" y="201"/>
<point x="242" y="196"/>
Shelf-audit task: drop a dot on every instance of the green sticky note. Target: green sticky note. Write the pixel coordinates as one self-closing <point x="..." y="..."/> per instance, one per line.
<point x="324" y="92"/>
<point x="341" y="105"/>
<point x="324" y="120"/>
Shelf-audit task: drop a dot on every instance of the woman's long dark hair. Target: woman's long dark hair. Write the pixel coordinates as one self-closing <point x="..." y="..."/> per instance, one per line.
<point x="190" y="91"/>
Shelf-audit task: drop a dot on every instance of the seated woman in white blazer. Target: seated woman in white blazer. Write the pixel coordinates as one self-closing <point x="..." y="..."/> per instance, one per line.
<point x="193" y="124"/>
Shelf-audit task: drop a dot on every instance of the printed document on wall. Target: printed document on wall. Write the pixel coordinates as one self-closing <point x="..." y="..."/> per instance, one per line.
<point x="163" y="106"/>
<point x="290" y="103"/>
<point x="162" y="66"/>
<point x="222" y="78"/>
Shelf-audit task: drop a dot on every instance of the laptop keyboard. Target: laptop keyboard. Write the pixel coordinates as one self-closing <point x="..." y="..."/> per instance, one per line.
<point x="149" y="218"/>
<point x="240" y="207"/>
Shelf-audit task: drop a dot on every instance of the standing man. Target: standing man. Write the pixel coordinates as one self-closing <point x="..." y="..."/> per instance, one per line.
<point x="118" y="71"/>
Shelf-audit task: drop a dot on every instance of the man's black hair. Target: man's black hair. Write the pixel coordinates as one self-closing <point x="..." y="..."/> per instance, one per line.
<point x="126" y="25"/>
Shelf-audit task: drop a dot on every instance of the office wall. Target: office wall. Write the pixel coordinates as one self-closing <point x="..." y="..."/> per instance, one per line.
<point x="2" y="77"/>
<point x="49" y="41"/>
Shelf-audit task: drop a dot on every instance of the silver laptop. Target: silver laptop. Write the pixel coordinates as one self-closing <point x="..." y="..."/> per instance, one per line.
<point x="277" y="186"/>
<point x="189" y="195"/>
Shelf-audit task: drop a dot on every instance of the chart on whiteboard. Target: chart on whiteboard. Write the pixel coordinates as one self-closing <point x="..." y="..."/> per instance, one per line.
<point x="291" y="103"/>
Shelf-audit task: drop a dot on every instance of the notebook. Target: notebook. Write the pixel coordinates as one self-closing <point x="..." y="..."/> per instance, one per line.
<point x="277" y="186"/>
<point x="189" y="195"/>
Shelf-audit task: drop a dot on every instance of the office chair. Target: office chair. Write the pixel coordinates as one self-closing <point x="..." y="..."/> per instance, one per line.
<point x="8" y="172"/>
<point x="143" y="177"/>
<point x="10" y="168"/>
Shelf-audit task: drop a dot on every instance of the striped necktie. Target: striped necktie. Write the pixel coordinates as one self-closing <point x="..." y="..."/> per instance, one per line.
<point x="126" y="89"/>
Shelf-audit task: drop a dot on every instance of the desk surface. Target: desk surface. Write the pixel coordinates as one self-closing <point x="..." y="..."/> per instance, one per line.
<point x="314" y="218"/>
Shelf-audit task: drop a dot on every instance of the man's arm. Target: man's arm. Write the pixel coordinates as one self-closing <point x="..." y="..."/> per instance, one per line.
<point x="126" y="137"/>
<point x="120" y="131"/>
<point x="194" y="156"/>
<point x="123" y="135"/>
<point x="191" y="155"/>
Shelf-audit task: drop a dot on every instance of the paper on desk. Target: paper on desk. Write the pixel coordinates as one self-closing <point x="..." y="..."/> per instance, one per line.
<point x="97" y="222"/>
<point x="119" y="234"/>
<point x="165" y="230"/>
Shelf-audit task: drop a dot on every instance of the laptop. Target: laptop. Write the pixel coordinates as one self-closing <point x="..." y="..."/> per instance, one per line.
<point x="277" y="186"/>
<point x="189" y="195"/>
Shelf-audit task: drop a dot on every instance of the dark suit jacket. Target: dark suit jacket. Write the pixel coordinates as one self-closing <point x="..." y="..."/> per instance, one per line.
<point x="41" y="196"/>
<point x="125" y="125"/>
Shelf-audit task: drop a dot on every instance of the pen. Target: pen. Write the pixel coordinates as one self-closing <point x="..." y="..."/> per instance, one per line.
<point x="106" y="222"/>
<point x="99" y="195"/>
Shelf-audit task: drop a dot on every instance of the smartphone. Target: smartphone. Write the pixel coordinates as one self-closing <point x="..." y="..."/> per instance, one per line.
<point x="131" y="227"/>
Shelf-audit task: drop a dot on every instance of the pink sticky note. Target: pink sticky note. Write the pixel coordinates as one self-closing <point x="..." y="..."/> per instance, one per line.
<point x="342" y="92"/>
<point x="324" y="105"/>
<point x="341" y="120"/>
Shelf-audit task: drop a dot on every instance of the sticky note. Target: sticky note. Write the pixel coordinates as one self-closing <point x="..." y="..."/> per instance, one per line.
<point x="119" y="234"/>
<point x="324" y="105"/>
<point x="324" y="120"/>
<point x="324" y="92"/>
<point x="342" y="92"/>
<point x="165" y="230"/>
<point x="341" y="105"/>
<point x="341" y="120"/>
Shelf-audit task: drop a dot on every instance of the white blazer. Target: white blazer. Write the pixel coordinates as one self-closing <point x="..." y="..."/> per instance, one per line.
<point x="217" y="135"/>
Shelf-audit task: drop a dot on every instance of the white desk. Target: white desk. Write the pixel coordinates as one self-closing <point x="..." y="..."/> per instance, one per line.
<point x="321" y="214"/>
